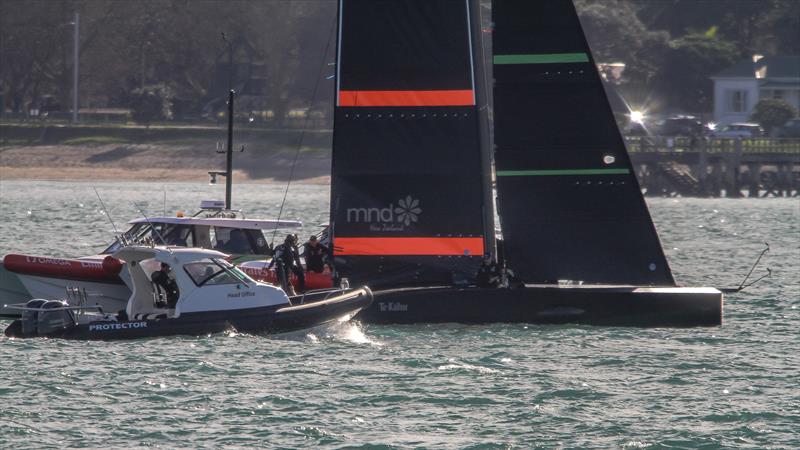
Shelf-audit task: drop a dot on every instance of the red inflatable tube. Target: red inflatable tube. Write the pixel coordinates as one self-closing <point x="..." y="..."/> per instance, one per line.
<point x="314" y="280"/>
<point x="106" y="270"/>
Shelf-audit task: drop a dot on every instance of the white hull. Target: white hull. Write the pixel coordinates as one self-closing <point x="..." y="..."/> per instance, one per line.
<point x="11" y="291"/>
<point x="112" y="297"/>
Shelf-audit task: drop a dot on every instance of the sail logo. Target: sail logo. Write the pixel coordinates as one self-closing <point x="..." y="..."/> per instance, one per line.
<point x="391" y="218"/>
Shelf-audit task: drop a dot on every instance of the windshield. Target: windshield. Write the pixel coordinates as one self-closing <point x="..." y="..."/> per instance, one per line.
<point x="215" y="271"/>
<point x="143" y="233"/>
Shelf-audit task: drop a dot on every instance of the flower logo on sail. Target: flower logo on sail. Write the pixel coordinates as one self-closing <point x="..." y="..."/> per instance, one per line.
<point x="407" y="210"/>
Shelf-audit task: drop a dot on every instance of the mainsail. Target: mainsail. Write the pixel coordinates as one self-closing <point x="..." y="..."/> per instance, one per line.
<point x="406" y="192"/>
<point x="569" y="203"/>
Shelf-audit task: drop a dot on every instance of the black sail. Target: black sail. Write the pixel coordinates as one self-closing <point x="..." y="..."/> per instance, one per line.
<point x="406" y="194"/>
<point x="569" y="203"/>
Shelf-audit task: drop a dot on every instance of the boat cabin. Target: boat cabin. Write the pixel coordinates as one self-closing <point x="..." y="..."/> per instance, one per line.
<point x="230" y="235"/>
<point x="203" y="280"/>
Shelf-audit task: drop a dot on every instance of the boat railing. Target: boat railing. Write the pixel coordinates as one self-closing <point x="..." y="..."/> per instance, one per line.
<point x="330" y="291"/>
<point x="22" y="307"/>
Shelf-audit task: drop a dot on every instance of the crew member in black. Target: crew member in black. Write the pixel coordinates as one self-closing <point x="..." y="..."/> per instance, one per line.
<point x="162" y="279"/>
<point x="488" y="274"/>
<point x="315" y="254"/>
<point x="287" y="259"/>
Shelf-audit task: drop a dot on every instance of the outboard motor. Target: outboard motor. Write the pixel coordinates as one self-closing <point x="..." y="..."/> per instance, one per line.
<point x="53" y="321"/>
<point x="30" y="319"/>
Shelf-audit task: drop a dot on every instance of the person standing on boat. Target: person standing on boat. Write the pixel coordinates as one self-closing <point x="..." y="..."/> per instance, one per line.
<point x="488" y="274"/>
<point x="315" y="254"/>
<point x="287" y="259"/>
<point x="162" y="279"/>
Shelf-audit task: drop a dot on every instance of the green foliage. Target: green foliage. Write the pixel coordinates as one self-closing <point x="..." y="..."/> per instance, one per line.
<point x="130" y="44"/>
<point x="772" y="112"/>
<point x="151" y="103"/>
<point x="95" y="140"/>
<point x="617" y="34"/>
<point x="753" y="26"/>
<point x="688" y="66"/>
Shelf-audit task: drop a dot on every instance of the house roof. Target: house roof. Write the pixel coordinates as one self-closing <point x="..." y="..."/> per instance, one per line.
<point x="776" y="67"/>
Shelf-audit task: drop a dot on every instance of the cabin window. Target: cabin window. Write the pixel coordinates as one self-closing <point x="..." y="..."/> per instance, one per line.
<point x="180" y="235"/>
<point x="210" y="272"/>
<point x="232" y="240"/>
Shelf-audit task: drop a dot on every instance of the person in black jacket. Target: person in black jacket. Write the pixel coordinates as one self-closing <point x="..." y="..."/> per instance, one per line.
<point x="162" y="279"/>
<point x="287" y="259"/>
<point x="315" y="255"/>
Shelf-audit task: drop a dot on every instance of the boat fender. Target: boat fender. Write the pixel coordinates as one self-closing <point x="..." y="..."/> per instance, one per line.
<point x="112" y="265"/>
<point x="29" y="319"/>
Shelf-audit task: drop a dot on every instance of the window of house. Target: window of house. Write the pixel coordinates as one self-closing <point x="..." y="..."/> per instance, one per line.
<point x="737" y="101"/>
<point x="777" y="94"/>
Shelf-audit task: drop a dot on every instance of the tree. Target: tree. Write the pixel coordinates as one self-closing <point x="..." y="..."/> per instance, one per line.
<point x="617" y="34"/>
<point x="772" y="112"/>
<point x="688" y="66"/>
<point x="781" y="26"/>
<point x="151" y="103"/>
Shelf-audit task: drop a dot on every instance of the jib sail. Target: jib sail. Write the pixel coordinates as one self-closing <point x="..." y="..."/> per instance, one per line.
<point x="569" y="203"/>
<point x="406" y="202"/>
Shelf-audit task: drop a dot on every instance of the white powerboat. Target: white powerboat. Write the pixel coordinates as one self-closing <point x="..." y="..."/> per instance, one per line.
<point x="211" y="296"/>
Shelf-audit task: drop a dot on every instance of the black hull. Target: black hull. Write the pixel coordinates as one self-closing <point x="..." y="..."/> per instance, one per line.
<point x="266" y="320"/>
<point x="539" y="304"/>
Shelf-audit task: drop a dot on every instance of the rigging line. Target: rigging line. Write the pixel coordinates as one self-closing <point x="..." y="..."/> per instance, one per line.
<point x="106" y="211"/>
<point x="763" y="252"/>
<point x="305" y="127"/>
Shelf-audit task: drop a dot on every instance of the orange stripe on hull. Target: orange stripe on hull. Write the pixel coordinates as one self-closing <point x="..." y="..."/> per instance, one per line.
<point x="407" y="98"/>
<point x="431" y="246"/>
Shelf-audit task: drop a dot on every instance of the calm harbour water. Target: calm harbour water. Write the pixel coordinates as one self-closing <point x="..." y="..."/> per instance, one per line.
<point x="422" y="386"/>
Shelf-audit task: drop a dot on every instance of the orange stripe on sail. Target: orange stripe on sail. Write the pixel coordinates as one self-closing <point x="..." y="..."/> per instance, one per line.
<point x="407" y="98"/>
<point x="431" y="246"/>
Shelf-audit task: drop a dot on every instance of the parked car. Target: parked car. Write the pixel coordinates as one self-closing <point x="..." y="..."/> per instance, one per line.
<point x="682" y="126"/>
<point x="790" y="129"/>
<point x="740" y="130"/>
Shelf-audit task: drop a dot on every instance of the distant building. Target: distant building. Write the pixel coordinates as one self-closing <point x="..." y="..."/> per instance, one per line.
<point x="737" y="89"/>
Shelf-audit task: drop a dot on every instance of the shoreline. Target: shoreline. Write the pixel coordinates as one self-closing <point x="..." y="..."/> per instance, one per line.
<point x="44" y="173"/>
<point x="164" y="163"/>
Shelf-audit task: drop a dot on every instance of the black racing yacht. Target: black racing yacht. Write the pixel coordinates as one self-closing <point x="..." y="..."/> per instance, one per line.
<point x="415" y="159"/>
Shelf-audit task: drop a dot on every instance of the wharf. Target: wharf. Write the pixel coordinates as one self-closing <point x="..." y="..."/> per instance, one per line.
<point x="707" y="167"/>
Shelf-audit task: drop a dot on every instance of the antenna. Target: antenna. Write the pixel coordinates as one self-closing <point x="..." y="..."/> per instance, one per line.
<point x="116" y="231"/>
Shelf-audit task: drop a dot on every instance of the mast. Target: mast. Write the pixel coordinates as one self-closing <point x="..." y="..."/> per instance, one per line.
<point x="482" y="92"/>
<point x="229" y="154"/>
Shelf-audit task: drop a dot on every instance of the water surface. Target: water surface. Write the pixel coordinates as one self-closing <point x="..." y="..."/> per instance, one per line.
<point x="420" y="386"/>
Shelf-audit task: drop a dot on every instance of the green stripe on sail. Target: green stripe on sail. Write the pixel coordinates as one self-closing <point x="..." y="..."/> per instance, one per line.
<point x="557" y="172"/>
<point x="549" y="58"/>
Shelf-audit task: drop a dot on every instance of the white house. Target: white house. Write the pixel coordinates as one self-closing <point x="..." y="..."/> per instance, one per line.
<point x="737" y="89"/>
